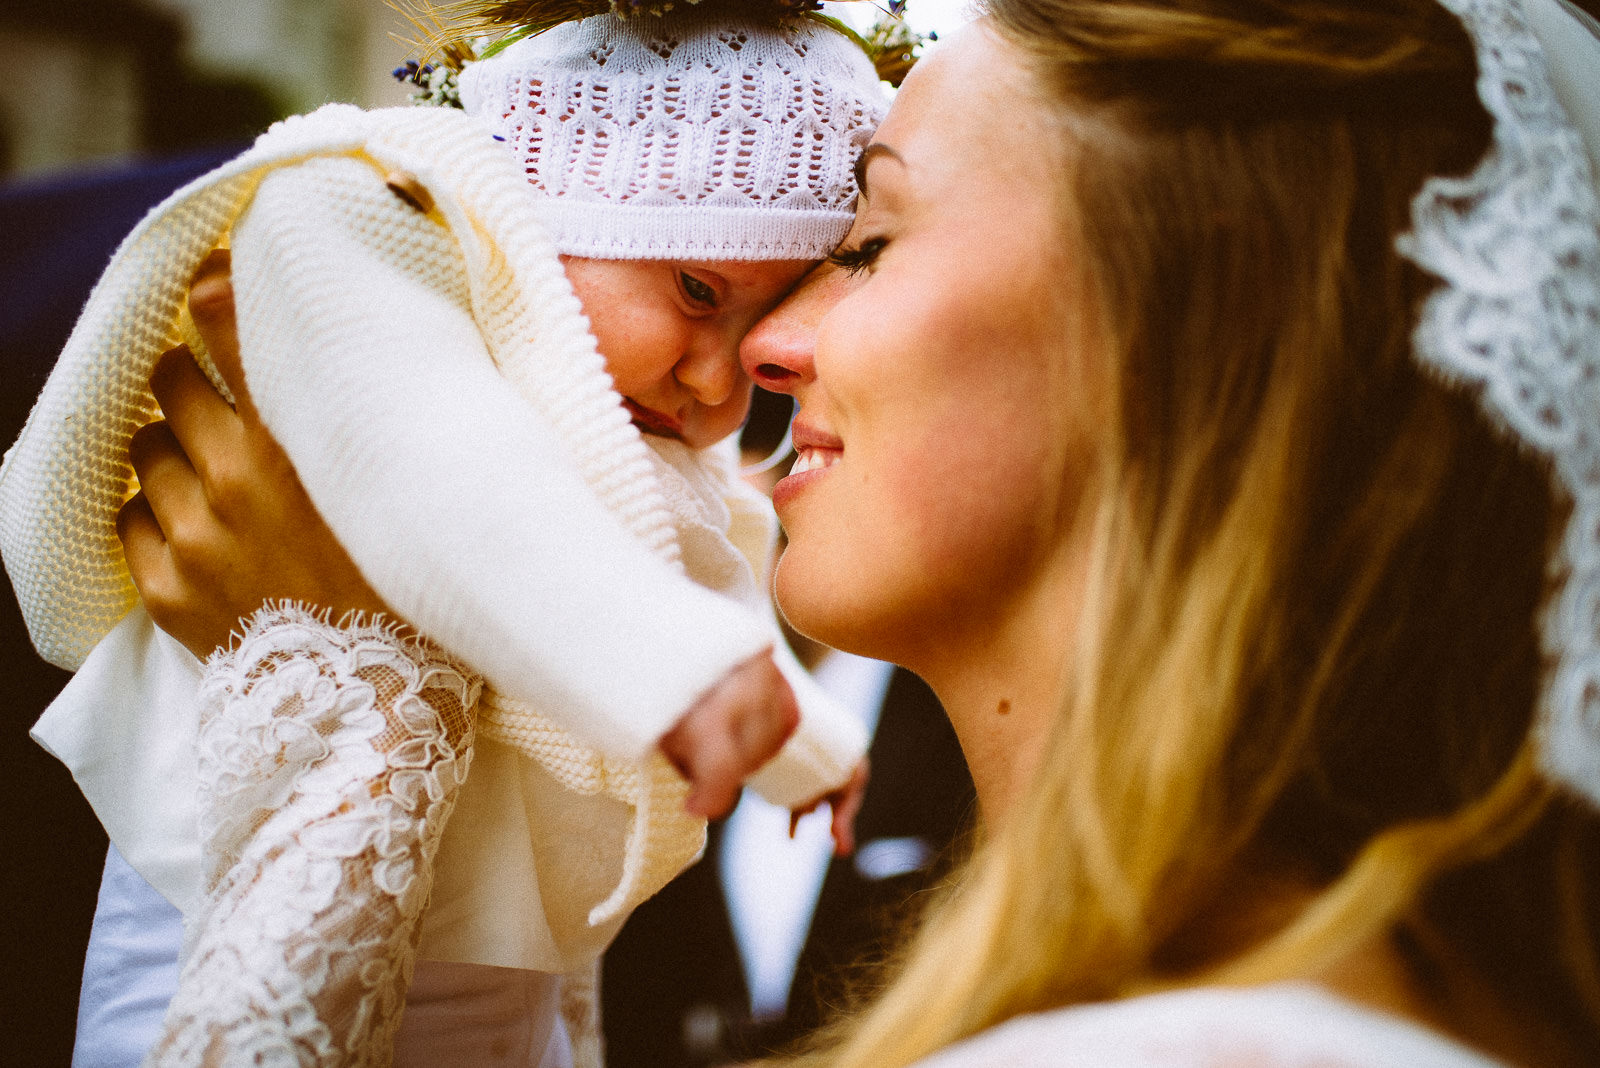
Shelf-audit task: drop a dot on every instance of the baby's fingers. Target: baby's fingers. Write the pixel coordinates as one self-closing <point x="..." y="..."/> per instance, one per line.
<point x="704" y="755"/>
<point x="733" y="730"/>
<point x="846" y="806"/>
<point x="715" y="791"/>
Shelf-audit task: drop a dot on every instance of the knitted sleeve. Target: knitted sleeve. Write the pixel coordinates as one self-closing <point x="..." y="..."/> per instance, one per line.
<point x="360" y="327"/>
<point x="330" y="761"/>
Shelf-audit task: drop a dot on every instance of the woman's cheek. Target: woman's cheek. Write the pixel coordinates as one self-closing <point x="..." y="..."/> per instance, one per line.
<point x="972" y="510"/>
<point x="881" y="555"/>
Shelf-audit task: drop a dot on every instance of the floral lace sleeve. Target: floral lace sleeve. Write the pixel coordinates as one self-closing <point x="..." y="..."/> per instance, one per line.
<point x="329" y="761"/>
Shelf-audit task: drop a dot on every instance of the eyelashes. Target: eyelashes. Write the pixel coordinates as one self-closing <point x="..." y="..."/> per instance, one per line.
<point x="698" y="291"/>
<point x="855" y="260"/>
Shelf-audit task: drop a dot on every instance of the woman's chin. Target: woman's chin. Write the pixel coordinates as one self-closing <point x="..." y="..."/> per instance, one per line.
<point x="818" y="606"/>
<point x="805" y="599"/>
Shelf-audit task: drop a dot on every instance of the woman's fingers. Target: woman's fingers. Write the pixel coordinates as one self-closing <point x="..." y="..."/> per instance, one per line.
<point x="144" y="545"/>
<point x="221" y="522"/>
<point x="227" y="454"/>
<point x="177" y="553"/>
<point x="204" y="426"/>
<point x="169" y="488"/>
<point x="246" y="474"/>
<point x="211" y="307"/>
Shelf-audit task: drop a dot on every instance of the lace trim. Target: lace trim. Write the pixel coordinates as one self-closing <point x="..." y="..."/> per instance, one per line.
<point x="1518" y="246"/>
<point x="330" y="760"/>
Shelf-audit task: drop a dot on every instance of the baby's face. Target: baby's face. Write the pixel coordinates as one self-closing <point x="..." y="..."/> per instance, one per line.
<point x="670" y="331"/>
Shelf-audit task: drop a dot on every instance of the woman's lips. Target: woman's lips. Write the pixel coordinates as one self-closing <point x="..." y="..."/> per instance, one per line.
<point x="818" y="451"/>
<point x="650" y="421"/>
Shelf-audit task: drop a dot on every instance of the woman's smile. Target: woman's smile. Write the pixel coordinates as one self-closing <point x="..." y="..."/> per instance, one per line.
<point x="814" y="460"/>
<point x="817" y="453"/>
<point x="818" y="449"/>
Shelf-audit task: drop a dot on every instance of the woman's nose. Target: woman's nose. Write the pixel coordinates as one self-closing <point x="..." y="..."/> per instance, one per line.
<point x="777" y="352"/>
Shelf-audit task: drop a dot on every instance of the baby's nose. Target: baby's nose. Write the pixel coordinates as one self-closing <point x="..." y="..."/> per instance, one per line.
<point x="710" y="369"/>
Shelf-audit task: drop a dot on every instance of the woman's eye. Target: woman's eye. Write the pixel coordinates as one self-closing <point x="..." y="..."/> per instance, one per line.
<point x="698" y="291"/>
<point x="860" y="258"/>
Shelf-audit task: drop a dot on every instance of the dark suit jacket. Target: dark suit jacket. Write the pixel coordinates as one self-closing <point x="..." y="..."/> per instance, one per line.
<point x="673" y="989"/>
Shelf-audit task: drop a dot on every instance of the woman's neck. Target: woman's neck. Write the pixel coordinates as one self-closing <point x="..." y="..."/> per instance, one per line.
<point x="1001" y="724"/>
<point x="1000" y="681"/>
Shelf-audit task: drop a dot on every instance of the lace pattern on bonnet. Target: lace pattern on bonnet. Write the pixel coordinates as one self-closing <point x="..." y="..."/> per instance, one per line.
<point x="688" y="136"/>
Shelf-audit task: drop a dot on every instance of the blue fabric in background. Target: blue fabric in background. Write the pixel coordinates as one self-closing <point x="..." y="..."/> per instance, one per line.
<point x="56" y="236"/>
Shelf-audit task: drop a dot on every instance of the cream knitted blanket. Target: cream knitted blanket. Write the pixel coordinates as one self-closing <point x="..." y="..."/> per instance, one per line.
<point x="434" y="382"/>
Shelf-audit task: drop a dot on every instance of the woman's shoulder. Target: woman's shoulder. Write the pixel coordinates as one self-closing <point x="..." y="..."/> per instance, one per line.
<point x="1280" y="1026"/>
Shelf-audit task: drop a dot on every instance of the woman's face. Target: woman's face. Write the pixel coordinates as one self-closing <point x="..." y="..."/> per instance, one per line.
<point x="942" y="385"/>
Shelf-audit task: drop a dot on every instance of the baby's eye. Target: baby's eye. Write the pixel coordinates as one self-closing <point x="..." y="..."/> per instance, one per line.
<point x="698" y="291"/>
<point x="860" y="258"/>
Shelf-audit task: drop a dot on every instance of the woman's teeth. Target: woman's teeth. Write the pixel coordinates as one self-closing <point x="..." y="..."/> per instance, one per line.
<point x="814" y="460"/>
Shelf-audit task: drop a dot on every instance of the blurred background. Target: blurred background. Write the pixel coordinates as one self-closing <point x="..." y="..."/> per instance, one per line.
<point x="97" y="82"/>
<point x="106" y="81"/>
<point x="106" y="107"/>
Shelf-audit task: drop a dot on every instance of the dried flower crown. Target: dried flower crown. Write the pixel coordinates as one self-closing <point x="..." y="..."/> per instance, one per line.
<point x="454" y="34"/>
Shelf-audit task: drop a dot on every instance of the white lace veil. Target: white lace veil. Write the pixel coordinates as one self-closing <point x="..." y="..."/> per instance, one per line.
<point x="1517" y="244"/>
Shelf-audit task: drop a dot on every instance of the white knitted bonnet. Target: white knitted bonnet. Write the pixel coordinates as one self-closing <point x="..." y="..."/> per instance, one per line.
<point x="686" y="136"/>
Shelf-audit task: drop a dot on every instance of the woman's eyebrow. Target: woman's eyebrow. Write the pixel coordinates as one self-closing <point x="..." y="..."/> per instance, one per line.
<point x="868" y="154"/>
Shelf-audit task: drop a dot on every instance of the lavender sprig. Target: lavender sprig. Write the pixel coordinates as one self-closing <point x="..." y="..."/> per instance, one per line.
<point x="436" y="86"/>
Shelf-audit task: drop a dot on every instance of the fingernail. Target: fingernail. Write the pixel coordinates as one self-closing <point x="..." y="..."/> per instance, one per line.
<point x="408" y="188"/>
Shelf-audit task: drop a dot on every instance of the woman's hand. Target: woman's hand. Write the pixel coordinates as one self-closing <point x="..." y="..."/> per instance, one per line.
<point x="221" y="524"/>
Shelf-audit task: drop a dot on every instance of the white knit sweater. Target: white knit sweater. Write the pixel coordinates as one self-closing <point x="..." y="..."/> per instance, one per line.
<point x="434" y="382"/>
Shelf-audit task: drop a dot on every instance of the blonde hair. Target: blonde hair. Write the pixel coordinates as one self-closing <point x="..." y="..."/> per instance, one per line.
<point x="1308" y="651"/>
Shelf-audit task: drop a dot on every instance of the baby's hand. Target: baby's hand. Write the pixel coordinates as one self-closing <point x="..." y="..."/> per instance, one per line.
<point x="844" y="804"/>
<point x="735" y="727"/>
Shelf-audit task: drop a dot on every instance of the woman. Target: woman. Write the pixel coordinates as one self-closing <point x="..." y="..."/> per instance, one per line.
<point x="1232" y="604"/>
<point x="1118" y="437"/>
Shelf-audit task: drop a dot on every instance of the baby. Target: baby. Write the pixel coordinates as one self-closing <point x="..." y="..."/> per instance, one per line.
<point x="409" y="333"/>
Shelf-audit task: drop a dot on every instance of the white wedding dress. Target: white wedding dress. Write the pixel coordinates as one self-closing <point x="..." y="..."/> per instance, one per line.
<point x="330" y="760"/>
<point x="1288" y="1025"/>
